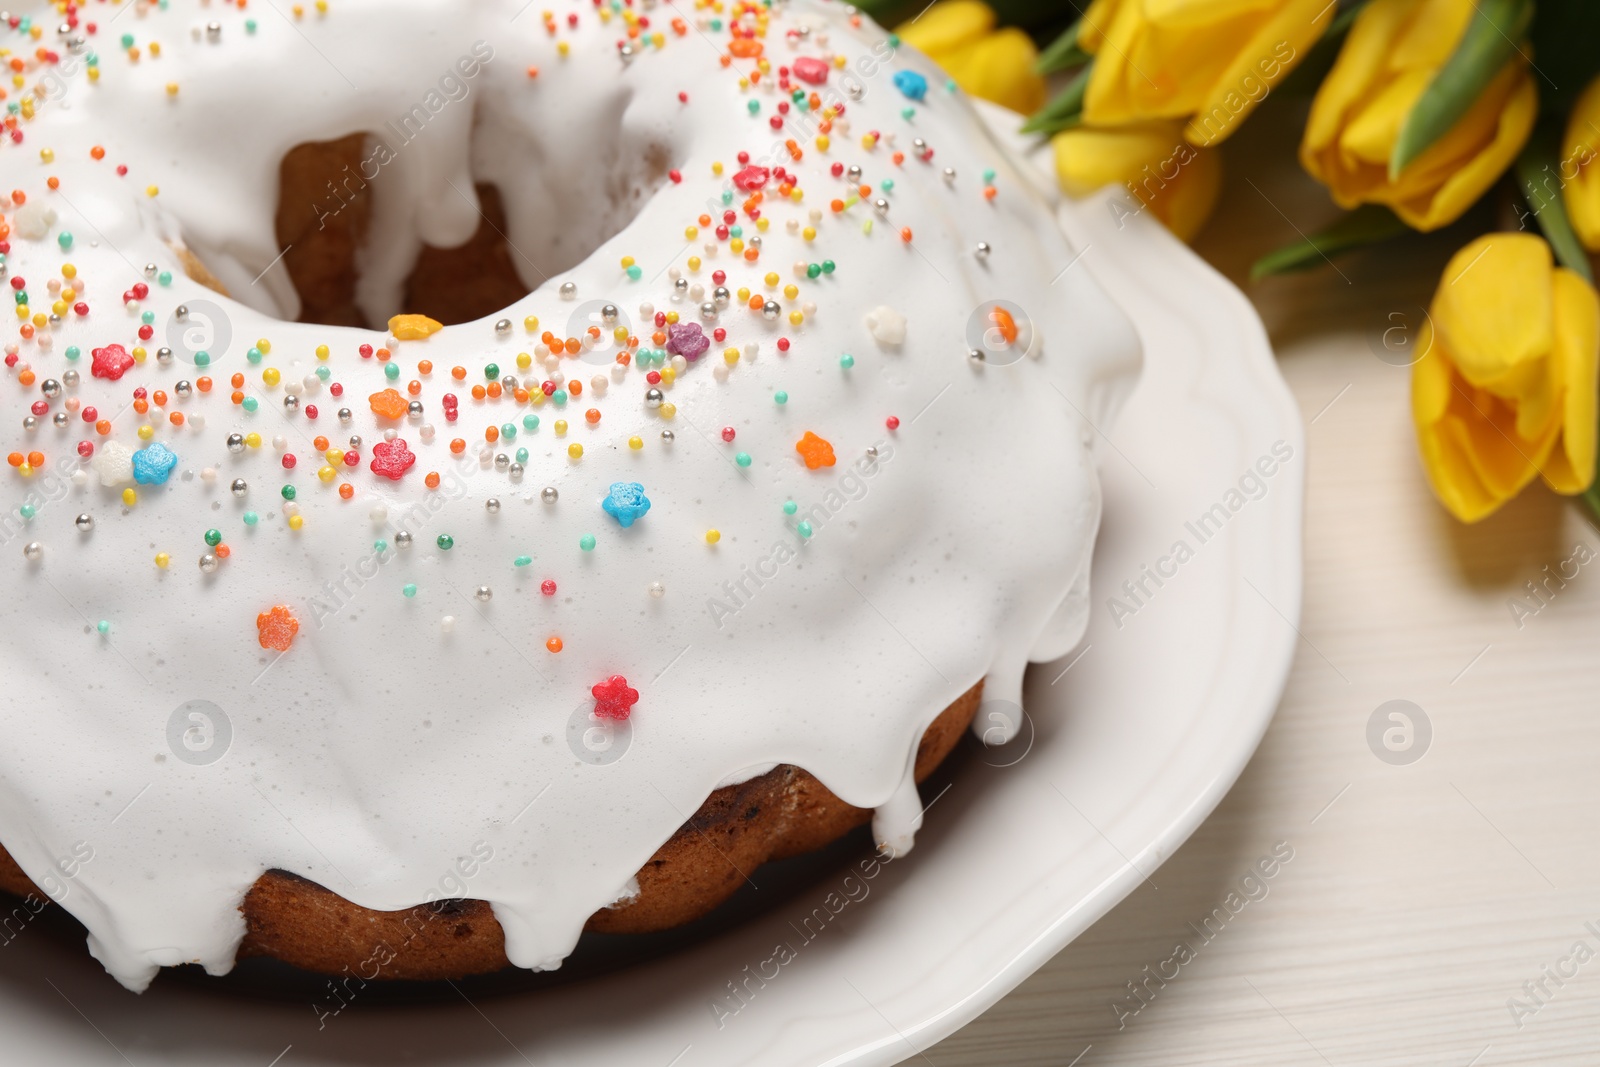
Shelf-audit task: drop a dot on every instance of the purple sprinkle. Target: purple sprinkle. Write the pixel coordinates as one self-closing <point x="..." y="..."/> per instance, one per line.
<point x="688" y="340"/>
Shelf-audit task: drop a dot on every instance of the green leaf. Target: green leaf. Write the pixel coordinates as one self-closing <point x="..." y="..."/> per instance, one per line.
<point x="1490" y="40"/>
<point x="1066" y="110"/>
<point x="1539" y="178"/>
<point x="1367" y="225"/>
<point x="1064" y="53"/>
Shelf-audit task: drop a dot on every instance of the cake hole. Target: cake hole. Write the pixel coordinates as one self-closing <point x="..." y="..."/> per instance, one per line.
<point x="331" y="196"/>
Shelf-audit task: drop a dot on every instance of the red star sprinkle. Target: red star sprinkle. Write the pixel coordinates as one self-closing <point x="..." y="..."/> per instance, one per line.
<point x="809" y="69"/>
<point x="276" y="628"/>
<point x="111" y="362"/>
<point x="752" y="178"/>
<point x="613" y="699"/>
<point x="392" y="458"/>
<point x="816" y="451"/>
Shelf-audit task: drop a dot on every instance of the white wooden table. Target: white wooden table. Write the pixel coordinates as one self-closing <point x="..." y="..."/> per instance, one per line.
<point x="1432" y="912"/>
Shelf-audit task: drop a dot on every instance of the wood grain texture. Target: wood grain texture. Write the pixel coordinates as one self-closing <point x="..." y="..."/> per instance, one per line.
<point x="1420" y="898"/>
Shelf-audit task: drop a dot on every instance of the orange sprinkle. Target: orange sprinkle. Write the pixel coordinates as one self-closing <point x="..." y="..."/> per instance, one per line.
<point x="425" y="366"/>
<point x="554" y="644"/>
<point x="346" y="490"/>
<point x="320" y="443"/>
<point x="432" y="480"/>
<point x="458" y="446"/>
<point x="388" y="404"/>
<point x="203" y="384"/>
<point x="275" y="628"/>
<point x="479" y="392"/>
<point x="458" y="373"/>
<point x="816" y="451"/>
<point x="222" y="551"/>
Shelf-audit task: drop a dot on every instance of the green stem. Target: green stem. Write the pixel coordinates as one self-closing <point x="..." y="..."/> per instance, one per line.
<point x="1064" y="53"/>
<point x="1366" y="225"/>
<point x="1066" y="110"/>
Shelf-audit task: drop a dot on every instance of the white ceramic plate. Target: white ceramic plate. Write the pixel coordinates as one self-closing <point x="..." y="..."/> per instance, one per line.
<point x="1133" y="740"/>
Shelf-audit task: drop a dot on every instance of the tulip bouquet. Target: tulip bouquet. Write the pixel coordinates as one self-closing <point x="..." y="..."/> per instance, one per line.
<point x="1420" y="110"/>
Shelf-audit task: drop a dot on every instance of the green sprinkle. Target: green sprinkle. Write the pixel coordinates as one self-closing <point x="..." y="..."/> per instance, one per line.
<point x="391" y="371"/>
<point x="755" y="107"/>
<point x="742" y="459"/>
<point x="814" y="270"/>
<point x="492" y="371"/>
<point x="888" y="185"/>
<point x="804" y="528"/>
<point x="522" y="455"/>
<point x="530" y="422"/>
<point x="127" y="40"/>
<point x="323" y="372"/>
<point x="446" y="542"/>
<point x="164" y="278"/>
<point x="249" y="403"/>
<point x="781" y="397"/>
<point x="635" y="272"/>
<point x="847" y="361"/>
<point x="213" y="538"/>
<point x="103" y="626"/>
<point x="28" y="511"/>
<point x="509" y="431"/>
<point x="559" y="396"/>
<point x="380" y="546"/>
<point x="908" y="113"/>
<point x="586" y="542"/>
<point x="522" y="561"/>
<point x="409" y="589"/>
<point x="64" y="239"/>
<point x="988" y="176"/>
<point x="73" y="352"/>
<point x="251" y="518"/>
<point x="202" y="359"/>
<point x="287" y="492"/>
<point x="147" y="317"/>
<point x="790" y="507"/>
<point x="253" y="355"/>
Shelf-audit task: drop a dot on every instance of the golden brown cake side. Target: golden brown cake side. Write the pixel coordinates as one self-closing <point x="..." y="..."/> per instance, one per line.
<point x="785" y="812"/>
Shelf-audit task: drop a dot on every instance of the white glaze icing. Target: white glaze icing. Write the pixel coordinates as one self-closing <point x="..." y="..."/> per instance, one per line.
<point x="398" y="734"/>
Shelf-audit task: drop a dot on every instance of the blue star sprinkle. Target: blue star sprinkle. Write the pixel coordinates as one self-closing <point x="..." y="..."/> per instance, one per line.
<point x="910" y="83"/>
<point x="625" y="503"/>
<point x="153" y="465"/>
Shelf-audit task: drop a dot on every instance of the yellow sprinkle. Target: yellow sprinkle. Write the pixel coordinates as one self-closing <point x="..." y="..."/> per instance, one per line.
<point x="575" y="451"/>
<point x="263" y="345"/>
<point x="172" y="87"/>
<point x="333" y="455"/>
<point x="691" y="233"/>
<point x="48" y="155"/>
<point x="414" y="327"/>
<point x="772" y="279"/>
<point x="713" y="536"/>
<point x="152" y="190"/>
<point x="620" y="334"/>
<point x="322" y="351"/>
<point x="130" y="497"/>
<point x="672" y="317"/>
<point x="68" y="270"/>
<point x="736" y="245"/>
<point x="668" y="375"/>
<point x="296" y="521"/>
<point x="253" y="440"/>
<point x="744" y="294"/>
<point x="524" y="361"/>
<point x="763" y="224"/>
<point x="796" y="318"/>
<point x="146" y="432"/>
<point x="628" y="261"/>
<point x="823" y="142"/>
<point x="809" y="233"/>
<point x="694" y="263"/>
<point x="668" y="410"/>
<point x="716" y="168"/>
<point x="564" y="49"/>
<point x="791" y="291"/>
<point x="327" y="474"/>
<point x="94" y="74"/>
<point x="530" y="323"/>
<point x="26" y="470"/>
<point x="162" y="559"/>
<point x="730" y="356"/>
<point x="561" y="427"/>
<point x="271" y="376"/>
<point x="636" y="443"/>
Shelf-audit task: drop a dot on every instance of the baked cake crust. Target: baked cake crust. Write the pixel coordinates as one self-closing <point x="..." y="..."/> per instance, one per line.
<point x="785" y="812"/>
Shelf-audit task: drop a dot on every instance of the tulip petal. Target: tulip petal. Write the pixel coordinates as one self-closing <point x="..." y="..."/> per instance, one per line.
<point x="948" y="25"/>
<point x="1493" y="308"/>
<point x="1088" y="157"/>
<point x="999" y="67"/>
<point x="1361" y="60"/>
<point x="1571" y="468"/>
<point x="1271" y="53"/>
<point x="1581" y="149"/>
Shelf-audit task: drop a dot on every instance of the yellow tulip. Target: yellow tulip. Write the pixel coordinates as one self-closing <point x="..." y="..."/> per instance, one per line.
<point x="1393" y="51"/>
<point x="1580" y="167"/>
<point x="1506" y="385"/>
<point x="959" y="35"/>
<point x="1177" y="181"/>
<point x="1208" y="61"/>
